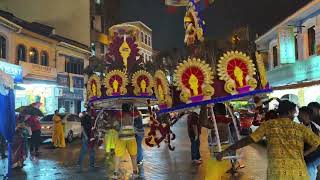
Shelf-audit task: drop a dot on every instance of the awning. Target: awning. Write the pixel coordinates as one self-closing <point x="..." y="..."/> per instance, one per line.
<point x="298" y="85"/>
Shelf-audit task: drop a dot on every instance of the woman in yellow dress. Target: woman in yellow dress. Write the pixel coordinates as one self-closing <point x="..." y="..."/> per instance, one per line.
<point x="58" y="134"/>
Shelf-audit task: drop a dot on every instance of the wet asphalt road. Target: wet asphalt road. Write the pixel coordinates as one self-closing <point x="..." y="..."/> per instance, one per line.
<point x="160" y="163"/>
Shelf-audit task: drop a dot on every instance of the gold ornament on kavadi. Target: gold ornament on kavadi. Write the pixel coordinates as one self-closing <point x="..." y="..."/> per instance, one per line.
<point x="142" y="82"/>
<point x="94" y="87"/>
<point x="162" y="90"/>
<point x="116" y="82"/>
<point x="262" y="70"/>
<point x="194" y="78"/>
<point x="237" y="70"/>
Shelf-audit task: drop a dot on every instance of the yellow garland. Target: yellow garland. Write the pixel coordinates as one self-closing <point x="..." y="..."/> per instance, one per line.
<point x="138" y="87"/>
<point x="191" y="16"/>
<point x="94" y="90"/>
<point x="124" y="78"/>
<point x="262" y="70"/>
<point x="165" y="97"/>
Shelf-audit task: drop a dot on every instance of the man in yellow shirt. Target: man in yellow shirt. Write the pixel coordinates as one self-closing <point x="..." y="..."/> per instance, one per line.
<point x="285" y="142"/>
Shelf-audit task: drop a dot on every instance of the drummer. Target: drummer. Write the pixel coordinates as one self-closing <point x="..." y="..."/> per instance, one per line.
<point x="126" y="139"/>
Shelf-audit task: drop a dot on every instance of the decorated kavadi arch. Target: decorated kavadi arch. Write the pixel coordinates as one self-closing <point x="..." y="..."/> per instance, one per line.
<point x="196" y="83"/>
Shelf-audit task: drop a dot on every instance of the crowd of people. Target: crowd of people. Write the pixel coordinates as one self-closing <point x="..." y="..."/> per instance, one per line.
<point x="27" y="138"/>
<point x="293" y="148"/>
<point x="26" y="126"/>
<point x="127" y="135"/>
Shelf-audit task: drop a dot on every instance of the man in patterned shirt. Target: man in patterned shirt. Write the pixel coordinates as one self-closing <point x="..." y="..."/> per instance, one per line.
<point x="285" y="142"/>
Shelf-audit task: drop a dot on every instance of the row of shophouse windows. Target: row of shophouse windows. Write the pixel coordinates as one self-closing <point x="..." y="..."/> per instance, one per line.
<point x="311" y="47"/>
<point x="74" y="65"/>
<point x="22" y="53"/>
<point x="145" y="38"/>
<point x="33" y="55"/>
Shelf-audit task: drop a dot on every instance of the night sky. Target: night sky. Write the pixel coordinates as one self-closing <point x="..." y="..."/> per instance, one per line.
<point x="221" y="17"/>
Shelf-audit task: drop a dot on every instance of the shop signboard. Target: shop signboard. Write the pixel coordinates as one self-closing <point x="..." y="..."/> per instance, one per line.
<point x="13" y="70"/>
<point x="64" y="80"/>
<point x="38" y="72"/>
<point x="307" y="70"/>
<point x="286" y="42"/>
<point x="176" y="2"/>
<point x="66" y="94"/>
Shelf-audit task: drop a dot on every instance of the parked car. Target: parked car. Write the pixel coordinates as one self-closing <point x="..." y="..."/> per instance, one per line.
<point x="72" y="126"/>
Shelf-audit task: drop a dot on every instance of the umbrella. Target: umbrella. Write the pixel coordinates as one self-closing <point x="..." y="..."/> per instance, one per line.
<point x="29" y="110"/>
